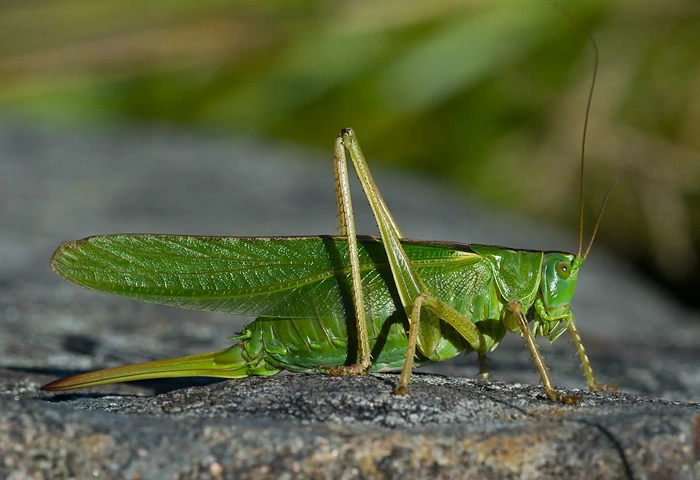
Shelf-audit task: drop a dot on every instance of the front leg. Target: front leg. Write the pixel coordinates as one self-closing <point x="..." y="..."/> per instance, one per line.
<point x="515" y="309"/>
<point x="570" y="323"/>
<point x="586" y="363"/>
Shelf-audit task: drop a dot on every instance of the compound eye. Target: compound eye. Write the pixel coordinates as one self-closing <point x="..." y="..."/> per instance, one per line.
<point x="563" y="270"/>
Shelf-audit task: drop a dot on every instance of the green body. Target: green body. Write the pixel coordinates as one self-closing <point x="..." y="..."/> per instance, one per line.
<point x="300" y="289"/>
<point x="342" y="305"/>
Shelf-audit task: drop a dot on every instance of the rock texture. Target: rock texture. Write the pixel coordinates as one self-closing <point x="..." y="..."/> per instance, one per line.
<point x="57" y="185"/>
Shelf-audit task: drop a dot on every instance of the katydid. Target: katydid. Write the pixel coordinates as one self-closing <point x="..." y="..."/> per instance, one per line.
<point x="340" y="305"/>
<point x="406" y="302"/>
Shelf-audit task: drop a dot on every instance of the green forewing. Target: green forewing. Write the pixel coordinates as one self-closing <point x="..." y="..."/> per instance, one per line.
<point x="292" y="277"/>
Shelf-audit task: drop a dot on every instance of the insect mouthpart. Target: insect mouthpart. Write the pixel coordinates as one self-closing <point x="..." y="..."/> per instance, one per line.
<point x="551" y="328"/>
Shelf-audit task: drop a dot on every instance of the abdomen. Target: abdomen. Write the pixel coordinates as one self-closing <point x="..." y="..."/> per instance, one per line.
<point x="302" y="345"/>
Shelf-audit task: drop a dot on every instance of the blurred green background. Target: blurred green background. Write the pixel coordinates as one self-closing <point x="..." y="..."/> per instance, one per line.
<point x="488" y="95"/>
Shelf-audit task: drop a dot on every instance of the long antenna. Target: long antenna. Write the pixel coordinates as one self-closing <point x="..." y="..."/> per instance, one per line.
<point x="583" y="156"/>
<point x="583" y="147"/>
<point x="602" y="205"/>
<point x="585" y="129"/>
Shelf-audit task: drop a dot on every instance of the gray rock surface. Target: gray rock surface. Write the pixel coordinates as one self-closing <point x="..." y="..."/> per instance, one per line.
<point x="57" y="185"/>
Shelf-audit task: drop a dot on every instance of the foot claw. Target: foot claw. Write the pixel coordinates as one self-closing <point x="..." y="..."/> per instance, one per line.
<point x="555" y="396"/>
<point x="401" y="390"/>
<point x="604" y="388"/>
<point x="343" y="370"/>
<point x="570" y="399"/>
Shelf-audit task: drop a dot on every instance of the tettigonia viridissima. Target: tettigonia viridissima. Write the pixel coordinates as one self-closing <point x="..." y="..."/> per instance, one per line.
<point x="340" y="305"/>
